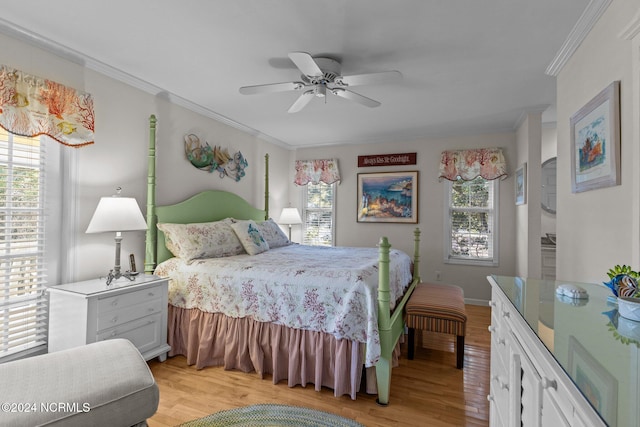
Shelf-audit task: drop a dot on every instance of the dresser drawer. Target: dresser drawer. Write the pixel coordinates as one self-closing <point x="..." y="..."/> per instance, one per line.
<point x="127" y="299"/>
<point x="499" y="389"/>
<point x="144" y="333"/>
<point x="127" y="313"/>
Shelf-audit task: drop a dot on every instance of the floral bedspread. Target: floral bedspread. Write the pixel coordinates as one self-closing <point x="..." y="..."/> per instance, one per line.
<point x="327" y="289"/>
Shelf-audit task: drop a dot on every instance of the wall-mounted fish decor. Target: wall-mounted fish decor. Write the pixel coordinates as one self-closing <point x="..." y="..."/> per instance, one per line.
<point x="203" y="157"/>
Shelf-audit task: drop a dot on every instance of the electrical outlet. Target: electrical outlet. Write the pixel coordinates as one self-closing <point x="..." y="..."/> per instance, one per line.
<point x="438" y="275"/>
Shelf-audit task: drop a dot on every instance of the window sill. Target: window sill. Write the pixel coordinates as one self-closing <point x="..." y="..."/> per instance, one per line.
<point x="471" y="262"/>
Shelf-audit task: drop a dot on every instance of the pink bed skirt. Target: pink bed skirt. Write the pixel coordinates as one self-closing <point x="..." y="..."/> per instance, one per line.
<point x="300" y="357"/>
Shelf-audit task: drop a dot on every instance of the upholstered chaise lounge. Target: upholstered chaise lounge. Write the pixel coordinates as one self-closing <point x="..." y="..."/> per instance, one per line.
<point x="107" y="383"/>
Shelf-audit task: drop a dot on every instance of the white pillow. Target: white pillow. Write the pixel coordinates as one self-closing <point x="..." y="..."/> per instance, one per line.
<point x="273" y="234"/>
<point x="250" y="236"/>
<point x="201" y="240"/>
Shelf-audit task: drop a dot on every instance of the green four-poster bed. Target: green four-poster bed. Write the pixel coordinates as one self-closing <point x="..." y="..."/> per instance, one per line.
<point x="272" y="324"/>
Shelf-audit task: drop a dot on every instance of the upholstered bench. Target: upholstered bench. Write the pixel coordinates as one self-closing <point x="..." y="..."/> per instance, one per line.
<point x="106" y="383"/>
<point x="439" y="308"/>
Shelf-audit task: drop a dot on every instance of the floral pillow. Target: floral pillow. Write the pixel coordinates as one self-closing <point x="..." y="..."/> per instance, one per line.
<point x="201" y="240"/>
<point x="250" y="236"/>
<point x="273" y="234"/>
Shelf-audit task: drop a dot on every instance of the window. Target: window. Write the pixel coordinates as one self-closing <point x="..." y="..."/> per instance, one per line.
<point x="318" y="214"/>
<point x="471" y="229"/>
<point x="24" y="263"/>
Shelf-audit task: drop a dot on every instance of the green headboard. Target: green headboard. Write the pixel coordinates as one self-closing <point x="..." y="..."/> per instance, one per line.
<point x="207" y="206"/>
<point x="210" y="205"/>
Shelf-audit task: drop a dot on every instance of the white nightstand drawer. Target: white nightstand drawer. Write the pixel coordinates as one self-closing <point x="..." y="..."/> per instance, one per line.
<point x="90" y="311"/>
<point x="144" y="333"/>
<point x="126" y="299"/>
<point x="109" y="319"/>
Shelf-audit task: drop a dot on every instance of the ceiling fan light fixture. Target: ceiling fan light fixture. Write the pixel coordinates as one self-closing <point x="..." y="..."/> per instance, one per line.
<point x="321" y="91"/>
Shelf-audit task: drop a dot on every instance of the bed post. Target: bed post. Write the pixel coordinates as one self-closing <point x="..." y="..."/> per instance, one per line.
<point x="383" y="367"/>
<point x="416" y="255"/>
<point x="266" y="186"/>
<point x="150" y="255"/>
<point x="391" y="325"/>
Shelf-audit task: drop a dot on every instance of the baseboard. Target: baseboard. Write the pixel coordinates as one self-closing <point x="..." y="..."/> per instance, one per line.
<point x="472" y="301"/>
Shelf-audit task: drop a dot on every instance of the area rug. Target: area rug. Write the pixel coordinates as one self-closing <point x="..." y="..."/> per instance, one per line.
<point x="272" y="415"/>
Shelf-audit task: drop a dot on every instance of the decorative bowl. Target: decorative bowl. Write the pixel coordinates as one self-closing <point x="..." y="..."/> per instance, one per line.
<point x="629" y="308"/>
<point x="628" y="328"/>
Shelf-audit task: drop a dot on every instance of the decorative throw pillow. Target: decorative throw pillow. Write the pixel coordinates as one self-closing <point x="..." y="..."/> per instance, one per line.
<point x="201" y="240"/>
<point x="250" y="236"/>
<point x="273" y="234"/>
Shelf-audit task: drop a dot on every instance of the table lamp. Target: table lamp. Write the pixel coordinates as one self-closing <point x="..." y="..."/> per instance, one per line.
<point x="117" y="214"/>
<point x="290" y="216"/>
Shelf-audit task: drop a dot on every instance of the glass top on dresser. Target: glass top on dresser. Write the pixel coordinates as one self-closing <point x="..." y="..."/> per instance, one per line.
<point x="595" y="346"/>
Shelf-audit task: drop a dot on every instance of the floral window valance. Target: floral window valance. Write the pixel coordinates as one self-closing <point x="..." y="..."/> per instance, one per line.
<point x="31" y="106"/>
<point x="316" y="171"/>
<point x="488" y="163"/>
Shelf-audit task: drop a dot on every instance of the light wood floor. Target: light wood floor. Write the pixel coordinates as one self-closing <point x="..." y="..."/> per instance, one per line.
<point x="426" y="391"/>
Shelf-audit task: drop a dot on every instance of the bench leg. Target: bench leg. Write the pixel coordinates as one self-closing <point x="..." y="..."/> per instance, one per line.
<point x="460" y="352"/>
<point x="410" y="344"/>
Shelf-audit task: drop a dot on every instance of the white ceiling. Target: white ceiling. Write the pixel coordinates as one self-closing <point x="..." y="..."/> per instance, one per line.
<point x="469" y="66"/>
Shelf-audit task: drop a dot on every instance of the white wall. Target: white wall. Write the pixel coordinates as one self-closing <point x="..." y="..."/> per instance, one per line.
<point x="119" y="156"/>
<point x="528" y="215"/>
<point x="596" y="229"/>
<point x="431" y="206"/>
<point x="549" y="150"/>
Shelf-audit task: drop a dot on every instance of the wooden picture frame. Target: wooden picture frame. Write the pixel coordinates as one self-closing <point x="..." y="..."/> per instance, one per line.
<point x="595" y="142"/>
<point x="521" y="185"/>
<point x="388" y="197"/>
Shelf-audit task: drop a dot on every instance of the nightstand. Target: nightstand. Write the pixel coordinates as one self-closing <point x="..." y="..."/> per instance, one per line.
<point x="90" y="311"/>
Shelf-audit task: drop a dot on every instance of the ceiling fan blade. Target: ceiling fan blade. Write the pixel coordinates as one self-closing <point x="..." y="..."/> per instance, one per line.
<point x="302" y="101"/>
<point x="352" y="96"/>
<point x="306" y="64"/>
<point x="269" y="88"/>
<point x="370" y="78"/>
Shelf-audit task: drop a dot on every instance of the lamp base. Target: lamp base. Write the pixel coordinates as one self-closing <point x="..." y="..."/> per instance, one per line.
<point x="115" y="276"/>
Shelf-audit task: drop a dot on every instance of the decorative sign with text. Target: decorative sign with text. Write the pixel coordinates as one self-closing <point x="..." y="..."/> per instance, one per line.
<point x="387" y="160"/>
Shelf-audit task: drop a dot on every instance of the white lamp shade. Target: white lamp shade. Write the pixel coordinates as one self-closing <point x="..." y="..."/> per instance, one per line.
<point x="117" y="214"/>
<point x="290" y="216"/>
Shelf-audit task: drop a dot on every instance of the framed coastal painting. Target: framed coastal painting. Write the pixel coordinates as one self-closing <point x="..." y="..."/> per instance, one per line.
<point x="521" y="185"/>
<point x="388" y="197"/>
<point x="595" y="142"/>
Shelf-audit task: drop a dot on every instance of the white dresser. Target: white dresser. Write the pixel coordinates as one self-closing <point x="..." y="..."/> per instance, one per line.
<point x="90" y="311"/>
<point x="548" y="353"/>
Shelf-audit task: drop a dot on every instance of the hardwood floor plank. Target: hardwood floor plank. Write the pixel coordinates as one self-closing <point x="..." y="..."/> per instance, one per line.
<point x="428" y="390"/>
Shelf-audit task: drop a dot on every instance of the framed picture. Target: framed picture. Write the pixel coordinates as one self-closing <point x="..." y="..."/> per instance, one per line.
<point x="594" y="381"/>
<point x="521" y="185"/>
<point x="595" y="142"/>
<point x="388" y="197"/>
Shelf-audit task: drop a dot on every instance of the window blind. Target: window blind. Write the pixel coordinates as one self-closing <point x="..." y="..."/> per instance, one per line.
<point x="23" y="302"/>
<point x="318" y="214"/>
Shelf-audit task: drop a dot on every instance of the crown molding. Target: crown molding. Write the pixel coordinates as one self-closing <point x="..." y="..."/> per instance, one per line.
<point x="22" y="34"/>
<point x="594" y="10"/>
<point x="632" y="29"/>
<point x="538" y="109"/>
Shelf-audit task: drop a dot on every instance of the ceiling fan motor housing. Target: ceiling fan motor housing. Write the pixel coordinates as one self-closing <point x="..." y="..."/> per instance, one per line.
<point x="330" y="69"/>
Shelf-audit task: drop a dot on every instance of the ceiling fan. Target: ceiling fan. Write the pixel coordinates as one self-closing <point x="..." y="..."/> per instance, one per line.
<point x="321" y="76"/>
